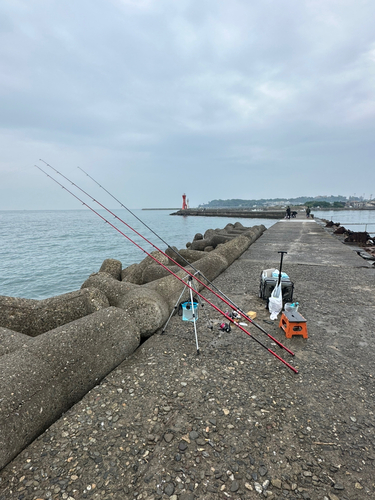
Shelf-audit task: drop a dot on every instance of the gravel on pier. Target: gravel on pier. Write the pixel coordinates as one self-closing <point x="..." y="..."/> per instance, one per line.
<point x="233" y="422"/>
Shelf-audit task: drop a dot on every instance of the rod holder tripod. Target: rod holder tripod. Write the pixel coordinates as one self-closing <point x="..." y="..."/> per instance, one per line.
<point x="194" y="316"/>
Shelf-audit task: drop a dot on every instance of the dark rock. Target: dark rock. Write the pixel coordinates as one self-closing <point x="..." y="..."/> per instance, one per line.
<point x="168" y="437"/>
<point x="234" y="486"/>
<point x="338" y="486"/>
<point x="263" y="470"/>
<point x="186" y="496"/>
<point x="182" y="445"/>
<point x="169" y="489"/>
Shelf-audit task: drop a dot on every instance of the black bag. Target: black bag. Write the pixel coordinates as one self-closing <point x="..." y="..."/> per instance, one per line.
<point x="266" y="286"/>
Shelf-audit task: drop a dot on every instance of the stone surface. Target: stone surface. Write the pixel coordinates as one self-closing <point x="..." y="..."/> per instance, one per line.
<point x="290" y="424"/>
<point x="33" y="317"/>
<point x="188" y="255"/>
<point x="112" y="267"/>
<point x="276" y="483"/>
<point x="41" y="380"/>
<point x="150" y="304"/>
<point x="156" y="271"/>
<point x="215" y="237"/>
<point x="11" y="341"/>
<point x="133" y="273"/>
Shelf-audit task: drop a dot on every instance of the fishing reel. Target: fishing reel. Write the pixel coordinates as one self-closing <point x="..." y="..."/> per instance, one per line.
<point x="234" y="315"/>
<point x="225" y="327"/>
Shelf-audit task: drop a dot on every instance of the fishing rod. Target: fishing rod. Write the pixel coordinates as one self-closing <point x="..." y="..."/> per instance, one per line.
<point x="223" y="298"/>
<point x="171" y="272"/>
<point x="232" y="304"/>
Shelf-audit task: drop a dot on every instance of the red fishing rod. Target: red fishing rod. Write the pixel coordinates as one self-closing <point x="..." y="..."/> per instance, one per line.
<point x="222" y="298"/>
<point x="171" y="272"/>
<point x="231" y="304"/>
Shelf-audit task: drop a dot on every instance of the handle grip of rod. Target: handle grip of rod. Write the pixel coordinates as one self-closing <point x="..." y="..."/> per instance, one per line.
<point x="269" y="335"/>
<point x="283" y="361"/>
<point x="281" y="265"/>
<point x="281" y="345"/>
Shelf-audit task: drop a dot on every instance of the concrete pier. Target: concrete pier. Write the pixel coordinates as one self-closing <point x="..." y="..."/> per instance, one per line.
<point x="246" y="213"/>
<point x="233" y="422"/>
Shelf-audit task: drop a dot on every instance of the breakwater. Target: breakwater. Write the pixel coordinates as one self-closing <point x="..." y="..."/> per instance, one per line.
<point x="55" y="350"/>
<point x="232" y="212"/>
<point x="167" y="423"/>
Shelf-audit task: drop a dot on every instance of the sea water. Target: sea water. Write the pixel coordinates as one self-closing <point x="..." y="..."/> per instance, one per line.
<point x="355" y="220"/>
<point x="47" y="253"/>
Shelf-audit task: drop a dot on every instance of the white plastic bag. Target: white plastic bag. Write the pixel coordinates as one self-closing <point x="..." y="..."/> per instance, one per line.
<point x="275" y="302"/>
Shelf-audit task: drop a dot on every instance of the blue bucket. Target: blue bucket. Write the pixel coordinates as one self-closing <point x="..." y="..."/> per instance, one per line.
<point x="187" y="311"/>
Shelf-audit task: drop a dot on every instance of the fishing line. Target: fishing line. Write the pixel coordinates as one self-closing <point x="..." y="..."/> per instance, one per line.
<point x="163" y="266"/>
<point x="223" y="297"/>
<point x="229" y="302"/>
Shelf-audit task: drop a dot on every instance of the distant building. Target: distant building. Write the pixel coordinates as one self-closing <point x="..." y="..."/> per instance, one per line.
<point x="357" y="204"/>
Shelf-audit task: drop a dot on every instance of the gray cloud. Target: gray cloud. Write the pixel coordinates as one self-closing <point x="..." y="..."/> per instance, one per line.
<point x="219" y="99"/>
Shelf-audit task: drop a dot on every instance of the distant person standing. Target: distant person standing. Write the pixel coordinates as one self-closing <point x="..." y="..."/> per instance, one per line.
<point x="308" y="210"/>
<point x="288" y="212"/>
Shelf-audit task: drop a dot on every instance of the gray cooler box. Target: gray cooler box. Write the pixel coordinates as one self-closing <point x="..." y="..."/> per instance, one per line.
<point x="268" y="283"/>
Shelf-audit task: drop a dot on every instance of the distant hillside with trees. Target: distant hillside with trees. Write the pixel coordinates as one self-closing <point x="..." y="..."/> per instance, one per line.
<point x="321" y="201"/>
<point x="325" y="204"/>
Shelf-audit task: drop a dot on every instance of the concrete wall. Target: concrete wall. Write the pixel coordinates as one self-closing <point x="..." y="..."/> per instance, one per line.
<point x="232" y="212"/>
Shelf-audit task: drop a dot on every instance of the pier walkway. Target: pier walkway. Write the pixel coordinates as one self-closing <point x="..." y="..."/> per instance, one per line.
<point x="233" y="422"/>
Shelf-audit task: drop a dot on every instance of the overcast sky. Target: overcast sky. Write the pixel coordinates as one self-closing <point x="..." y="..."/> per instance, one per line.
<point x="218" y="99"/>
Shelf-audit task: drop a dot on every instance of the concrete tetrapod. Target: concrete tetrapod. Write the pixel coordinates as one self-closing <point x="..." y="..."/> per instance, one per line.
<point x="12" y="341"/>
<point x="45" y="377"/>
<point x="34" y="317"/>
<point x="149" y="305"/>
<point x="214" y="237"/>
<point x="155" y="271"/>
<point x="134" y="273"/>
<point x="42" y="377"/>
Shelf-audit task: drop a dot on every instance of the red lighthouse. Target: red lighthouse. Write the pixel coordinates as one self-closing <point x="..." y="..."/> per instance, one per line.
<point x="184" y="204"/>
